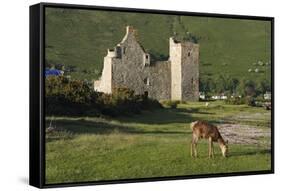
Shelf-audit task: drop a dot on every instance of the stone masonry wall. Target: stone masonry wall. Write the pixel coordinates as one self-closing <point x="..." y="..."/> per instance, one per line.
<point x="159" y="76"/>
<point x="190" y="71"/>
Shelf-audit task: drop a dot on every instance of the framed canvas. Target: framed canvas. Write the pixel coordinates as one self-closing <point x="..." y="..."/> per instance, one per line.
<point x="123" y="95"/>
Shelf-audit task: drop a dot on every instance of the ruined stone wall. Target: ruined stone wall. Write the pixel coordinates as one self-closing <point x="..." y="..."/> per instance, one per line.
<point x="190" y="71"/>
<point x="128" y="68"/>
<point x="154" y="79"/>
<point x="159" y="80"/>
<point x="133" y="70"/>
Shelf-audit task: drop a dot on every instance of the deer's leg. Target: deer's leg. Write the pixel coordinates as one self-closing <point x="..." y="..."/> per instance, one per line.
<point x="191" y="148"/>
<point x="194" y="144"/>
<point x="210" y="146"/>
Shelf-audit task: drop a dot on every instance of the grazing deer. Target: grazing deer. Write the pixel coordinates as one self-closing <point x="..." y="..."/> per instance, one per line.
<point x="201" y="129"/>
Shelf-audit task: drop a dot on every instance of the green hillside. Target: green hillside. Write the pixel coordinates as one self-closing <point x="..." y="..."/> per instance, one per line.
<point x="78" y="39"/>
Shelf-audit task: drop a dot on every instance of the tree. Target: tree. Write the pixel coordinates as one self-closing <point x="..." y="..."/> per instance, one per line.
<point x="220" y="84"/>
<point x="247" y="88"/>
<point x="263" y="86"/>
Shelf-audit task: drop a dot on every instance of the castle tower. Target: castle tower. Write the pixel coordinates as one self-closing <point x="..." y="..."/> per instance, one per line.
<point x="184" y="57"/>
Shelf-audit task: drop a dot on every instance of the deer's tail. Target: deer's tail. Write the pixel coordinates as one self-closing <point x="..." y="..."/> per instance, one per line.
<point x="192" y="124"/>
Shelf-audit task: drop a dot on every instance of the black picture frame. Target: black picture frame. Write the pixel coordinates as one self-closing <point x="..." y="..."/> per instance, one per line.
<point x="37" y="92"/>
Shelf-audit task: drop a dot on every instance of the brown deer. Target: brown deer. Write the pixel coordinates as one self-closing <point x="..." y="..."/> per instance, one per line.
<point x="201" y="129"/>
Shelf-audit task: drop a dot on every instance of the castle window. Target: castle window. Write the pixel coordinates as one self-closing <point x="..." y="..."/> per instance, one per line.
<point x="118" y="51"/>
<point x="188" y="54"/>
<point x="124" y="50"/>
<point x="146" y="60"/>
<point x="146" y="81"/>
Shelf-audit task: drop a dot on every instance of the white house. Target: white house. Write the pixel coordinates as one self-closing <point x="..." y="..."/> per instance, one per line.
<point x="267" y="96"/>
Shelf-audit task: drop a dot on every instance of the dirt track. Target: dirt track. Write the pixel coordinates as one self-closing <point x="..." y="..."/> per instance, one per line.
<point x="244" y="134"/>
<point x="239" y="133"/>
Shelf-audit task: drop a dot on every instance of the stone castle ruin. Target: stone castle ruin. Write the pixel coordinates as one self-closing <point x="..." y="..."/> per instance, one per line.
<point x="129" y="65"/>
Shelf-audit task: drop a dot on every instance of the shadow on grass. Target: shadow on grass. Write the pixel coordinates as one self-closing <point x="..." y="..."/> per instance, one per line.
<point x="195" y="111"/>
<point x="165" y="116"/>
<point x="161" y="116"/>
<point x="81" y="126"/>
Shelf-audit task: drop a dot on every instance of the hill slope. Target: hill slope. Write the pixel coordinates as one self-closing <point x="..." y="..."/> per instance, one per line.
<point x="80" y="38"/>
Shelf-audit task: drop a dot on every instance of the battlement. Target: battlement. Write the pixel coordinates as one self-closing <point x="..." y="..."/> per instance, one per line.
<point x="184" y="43"/>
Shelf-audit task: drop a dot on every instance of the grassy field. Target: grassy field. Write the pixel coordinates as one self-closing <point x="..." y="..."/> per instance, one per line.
<point x="152" y="144"/>
<point x="80" y="38"/>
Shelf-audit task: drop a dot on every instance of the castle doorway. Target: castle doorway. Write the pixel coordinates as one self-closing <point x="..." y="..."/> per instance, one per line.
<point x="146" y="94"/>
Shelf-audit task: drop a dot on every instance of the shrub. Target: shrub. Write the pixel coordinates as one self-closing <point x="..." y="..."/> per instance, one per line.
<point x="75" y="97"/>
<point x="235" y="101"/>
<point x="124" y="101"/>
<point x="250" y="101"/>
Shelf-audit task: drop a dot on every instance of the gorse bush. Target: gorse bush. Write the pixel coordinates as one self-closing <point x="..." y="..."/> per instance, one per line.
<point x="74" y="91"/>
<point x="76" y="97"/>
<point x="68" y="97"/>
<point x="124" y="101"/>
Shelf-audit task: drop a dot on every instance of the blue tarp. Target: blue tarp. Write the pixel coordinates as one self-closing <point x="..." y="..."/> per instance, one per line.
<point x="53" y="72"/>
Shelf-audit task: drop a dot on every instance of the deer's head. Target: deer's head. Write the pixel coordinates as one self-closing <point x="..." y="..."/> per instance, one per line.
<point x="224" y="149"/>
